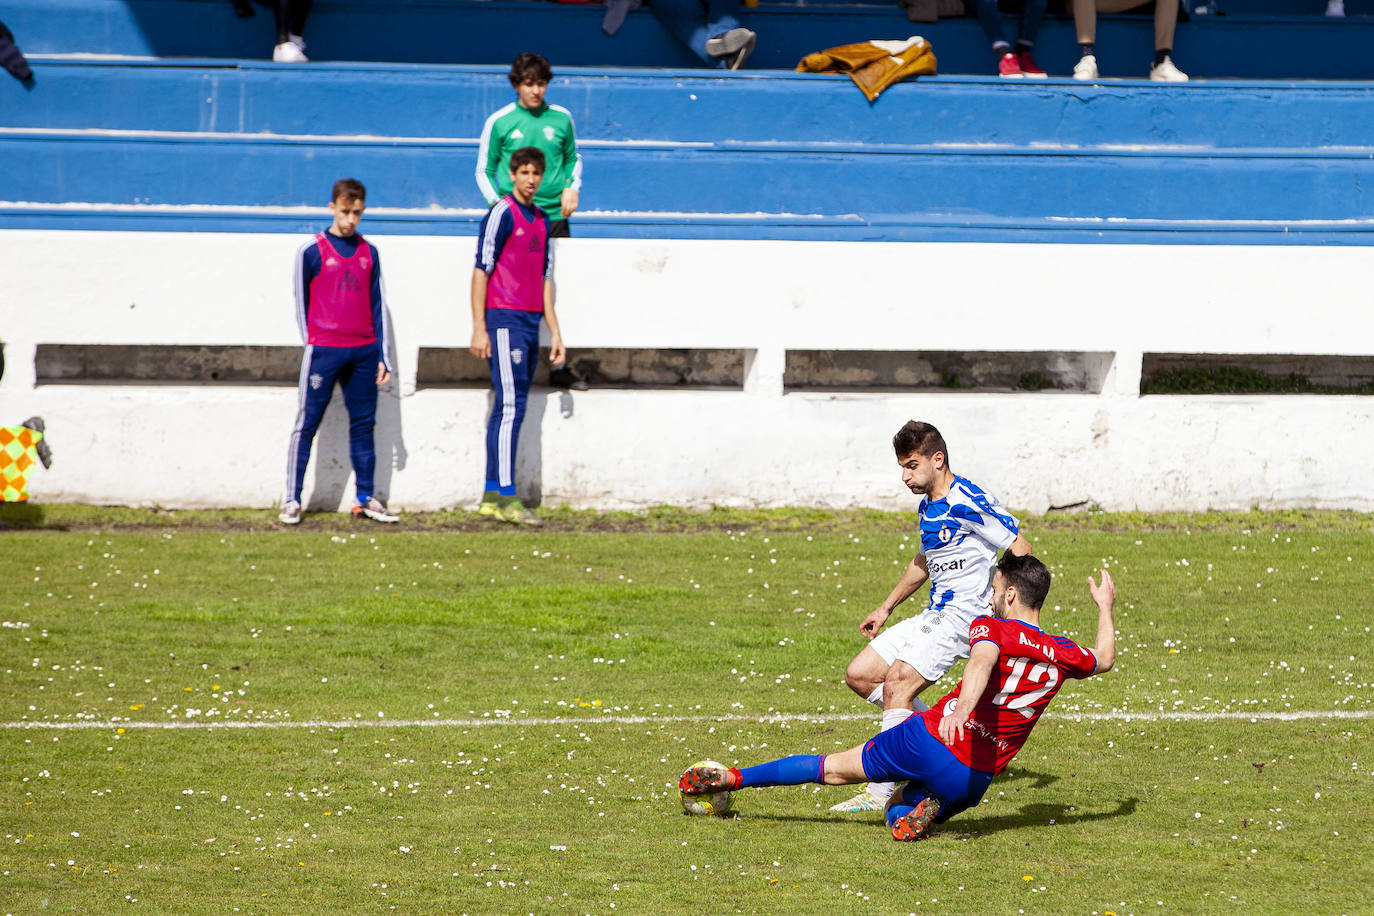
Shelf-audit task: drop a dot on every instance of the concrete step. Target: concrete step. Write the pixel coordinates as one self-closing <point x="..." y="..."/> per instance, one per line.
<point x="1008" y="181"/>
<point x="632" y="105"/>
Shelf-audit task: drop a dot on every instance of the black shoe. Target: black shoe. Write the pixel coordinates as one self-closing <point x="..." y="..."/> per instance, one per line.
<point x="562" y="376"/>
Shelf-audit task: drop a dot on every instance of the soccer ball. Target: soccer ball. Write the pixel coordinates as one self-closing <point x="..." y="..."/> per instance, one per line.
<point x="715" y="803"/>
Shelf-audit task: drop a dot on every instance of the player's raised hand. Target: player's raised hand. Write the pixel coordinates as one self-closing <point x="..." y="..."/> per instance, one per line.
<point x="1104" y="593"/>
<point x="874" y="621"/>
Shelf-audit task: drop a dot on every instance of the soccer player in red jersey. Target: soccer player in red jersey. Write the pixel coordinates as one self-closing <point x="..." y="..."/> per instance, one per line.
<point x="949" y="754"/>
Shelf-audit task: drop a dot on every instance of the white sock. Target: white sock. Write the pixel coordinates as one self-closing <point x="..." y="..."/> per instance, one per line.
<point x="876" y="697"/>
<point x="891" y="719"/>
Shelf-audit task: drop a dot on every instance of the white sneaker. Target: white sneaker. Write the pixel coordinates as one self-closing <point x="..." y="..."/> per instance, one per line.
<point x="288" y="53"/>
<point x="290" y="513"/>
<point x="1166" y="72"/>
<point x="864" y="801"/>
<point x="1335" y="9"/>
<point x="298" y="41"/>
<point x="1086" y="68"/>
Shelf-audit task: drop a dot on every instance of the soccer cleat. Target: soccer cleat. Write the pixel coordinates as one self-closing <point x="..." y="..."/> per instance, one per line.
<point x="490" y="507"/>
<point x="733" y="47"/>
<point x="1166" y="72"/>
<point x="1028" y="65"/>
<point x="374" y="510"/>
<point x="298" y="41"/>
<point x="1008" y="67"/>
<point x="290" y="513"/>
<point x="288" y="53"/>
<point x="517" y="513"/>
<point x="705" y="780"/>
<point x="864" y="801"/>
<point x="1086" y="68"/>
<point x="916" y="824"/>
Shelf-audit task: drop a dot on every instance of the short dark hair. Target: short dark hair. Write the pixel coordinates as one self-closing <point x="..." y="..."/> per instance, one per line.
<point x="526" y="155"/>
<point x="1029" y="575"/>
<point x="921" y="438"/>
<point x="529" y="67"/>
<point x="348" y="189"/>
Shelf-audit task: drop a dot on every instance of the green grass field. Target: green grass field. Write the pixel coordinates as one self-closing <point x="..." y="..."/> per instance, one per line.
<point x="444" y="717"/>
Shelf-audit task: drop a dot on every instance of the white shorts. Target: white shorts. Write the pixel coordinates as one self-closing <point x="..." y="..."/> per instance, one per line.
<point x="929" y="642"/>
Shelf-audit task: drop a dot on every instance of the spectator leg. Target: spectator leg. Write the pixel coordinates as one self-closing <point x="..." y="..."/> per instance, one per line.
<point x="1166" y="19"/>
<point x="686" y="21"/>
<point x="991" y="21"/>
<point x="720" y="18"/>
<point x="300" y="11"/>
<point x="1085" y="20"/>
<point x="282" y="11"/>
<point x="1031" y="15"/>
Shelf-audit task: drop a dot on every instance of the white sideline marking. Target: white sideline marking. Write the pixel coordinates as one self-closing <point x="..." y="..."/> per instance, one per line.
<point x="819" y="718"/>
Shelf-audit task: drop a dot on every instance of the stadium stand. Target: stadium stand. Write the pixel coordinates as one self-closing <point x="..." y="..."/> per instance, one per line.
<point x="169" y="145"/>
<point x="1257" y="39"/>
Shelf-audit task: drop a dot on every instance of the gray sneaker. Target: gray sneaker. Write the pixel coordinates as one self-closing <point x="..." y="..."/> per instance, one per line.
<point x="290" y="513"/>
<point x="733" y="47"/>
<point x="375" y="510"/>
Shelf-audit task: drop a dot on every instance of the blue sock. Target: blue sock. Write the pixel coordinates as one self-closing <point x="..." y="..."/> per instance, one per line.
<point x="789" y="771"/>
<point x="508" y="491"/>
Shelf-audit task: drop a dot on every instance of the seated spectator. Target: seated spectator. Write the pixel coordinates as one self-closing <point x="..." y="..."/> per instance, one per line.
<point x="1012" y="64"/>
<point x="710" y="28"/>
<point x="1166" y="19"/>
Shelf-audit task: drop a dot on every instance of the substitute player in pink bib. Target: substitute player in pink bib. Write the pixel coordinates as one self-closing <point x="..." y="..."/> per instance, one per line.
<point x="512" y="289"/>
<point x="949" y="754"/>
<point x="342" y="317"/>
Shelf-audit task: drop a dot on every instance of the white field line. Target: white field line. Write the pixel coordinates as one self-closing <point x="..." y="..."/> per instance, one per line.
<point x="818" y="718"/>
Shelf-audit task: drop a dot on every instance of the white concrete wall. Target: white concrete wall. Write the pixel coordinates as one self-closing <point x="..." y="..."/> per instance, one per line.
<point x="183" y="446"/>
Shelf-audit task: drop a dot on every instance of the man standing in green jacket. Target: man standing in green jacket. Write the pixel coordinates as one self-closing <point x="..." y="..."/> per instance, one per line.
<point x="530" y="121"/>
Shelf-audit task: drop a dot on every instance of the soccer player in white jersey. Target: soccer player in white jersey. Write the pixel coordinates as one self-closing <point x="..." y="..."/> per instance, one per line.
<point x="962" y="529"/>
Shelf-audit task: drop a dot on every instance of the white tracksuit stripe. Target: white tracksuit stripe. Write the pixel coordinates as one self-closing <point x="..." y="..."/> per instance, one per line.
<point x="294" y="446"/>
<point x="505" y="446"/>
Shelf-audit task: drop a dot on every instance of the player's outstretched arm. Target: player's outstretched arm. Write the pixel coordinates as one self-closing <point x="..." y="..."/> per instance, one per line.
<point x="1104" y="596"/>
<point x="913" y="577"/>
<point x="1020" y="547"/>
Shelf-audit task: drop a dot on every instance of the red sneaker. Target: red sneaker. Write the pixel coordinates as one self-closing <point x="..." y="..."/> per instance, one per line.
<point x="1009" y="67"/>
<point x="916" y="825"/>
<point x="1028" y="66"/>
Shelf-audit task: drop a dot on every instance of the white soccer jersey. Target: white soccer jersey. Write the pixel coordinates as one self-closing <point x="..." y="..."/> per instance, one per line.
<point x="960" y="537"/>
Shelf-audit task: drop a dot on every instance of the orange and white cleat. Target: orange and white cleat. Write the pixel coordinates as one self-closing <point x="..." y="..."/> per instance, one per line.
<point x="916" y="824"/>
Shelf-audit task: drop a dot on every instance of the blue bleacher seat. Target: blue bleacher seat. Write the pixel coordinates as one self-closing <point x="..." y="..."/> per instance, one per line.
<point x="226" y="144"/>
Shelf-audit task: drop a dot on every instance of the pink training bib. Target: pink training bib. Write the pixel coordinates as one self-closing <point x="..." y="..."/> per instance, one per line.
<point x="340" y="312"/>
<point x="518" y="279"/>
